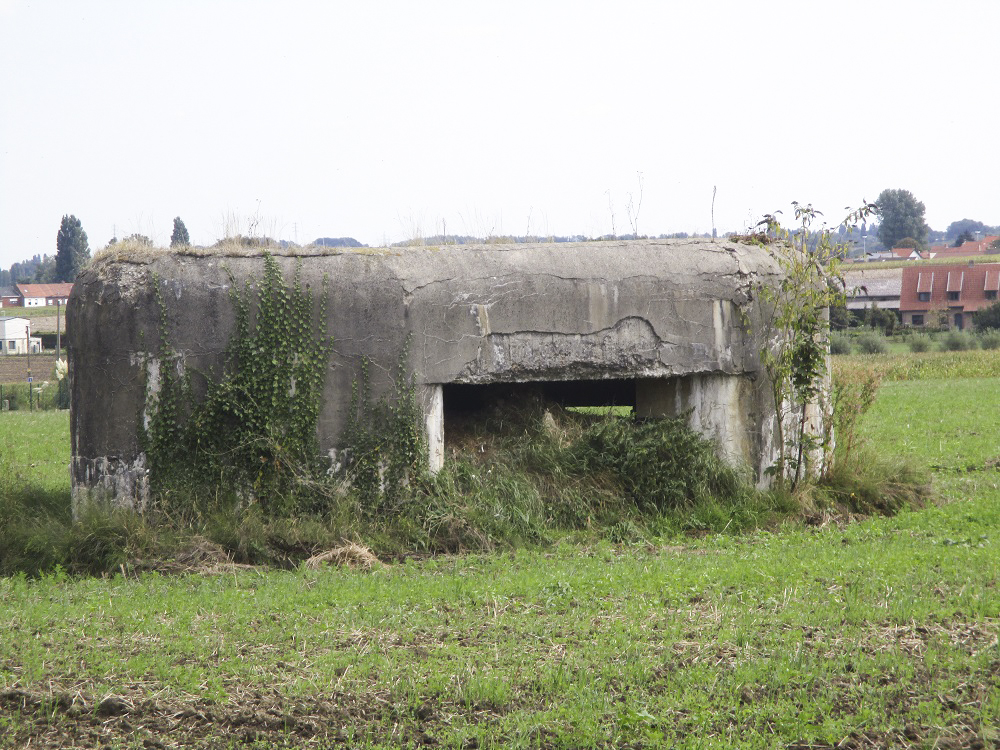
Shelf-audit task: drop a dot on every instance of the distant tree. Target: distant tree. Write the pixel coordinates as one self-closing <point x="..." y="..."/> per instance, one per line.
<point x="24" y="272"/>
<point x="907" y="242"/>
<point x="963" y="226"/>
<point x="180" y="236"/>
<point x="965" y="236"/>
<point x="902" y="216"/>
<point x="45" y="272"/>
<point x="994" y="248"/>
<point x="140" y="238"/>
<point x="72" y="250"/>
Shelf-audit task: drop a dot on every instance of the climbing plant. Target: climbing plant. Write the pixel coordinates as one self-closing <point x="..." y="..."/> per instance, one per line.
<point x="254" y="429"/>
<point x="797" y="337"/>
<point x="385" y="446"/>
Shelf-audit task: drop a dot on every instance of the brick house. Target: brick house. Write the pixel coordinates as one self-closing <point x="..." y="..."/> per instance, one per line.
<point x="947" y="293"/>
<point x="9" y="297"/>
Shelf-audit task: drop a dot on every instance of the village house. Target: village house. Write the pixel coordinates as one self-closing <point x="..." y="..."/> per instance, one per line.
<point x="44" y="295"/>
<point x="10" y="297"/>
<point x="968" y="249"/>
<point x="946" y="295"/>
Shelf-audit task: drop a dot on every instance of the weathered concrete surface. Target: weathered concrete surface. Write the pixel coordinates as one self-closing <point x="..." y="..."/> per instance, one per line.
<point x="673" y="315"/>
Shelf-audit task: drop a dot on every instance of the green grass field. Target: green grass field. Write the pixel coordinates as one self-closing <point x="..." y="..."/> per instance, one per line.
<point x="878" y="633"/>
<point x="35" y="447"/>
<point x="33" y="312"/>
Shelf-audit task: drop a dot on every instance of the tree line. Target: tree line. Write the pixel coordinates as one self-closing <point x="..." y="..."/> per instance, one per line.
<point x="72" y="254"/>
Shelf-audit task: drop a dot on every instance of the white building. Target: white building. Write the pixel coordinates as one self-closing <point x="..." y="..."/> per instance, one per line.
<point x="15" y="337"/>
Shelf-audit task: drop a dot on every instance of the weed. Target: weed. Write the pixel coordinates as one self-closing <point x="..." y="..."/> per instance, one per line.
<point x="383" y="444"/>
<point x="796" y="335"/>
<point x="853" y="395"/>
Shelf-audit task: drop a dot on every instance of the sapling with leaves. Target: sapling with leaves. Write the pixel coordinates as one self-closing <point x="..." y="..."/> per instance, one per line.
<point x="797" y="316"/>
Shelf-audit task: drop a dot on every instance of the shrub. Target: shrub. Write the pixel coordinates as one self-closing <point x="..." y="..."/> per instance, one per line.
<point x="988" y="317"/>
<point x="662" y="463"/>
<point x="840" y="345"/>
<point x="989" y="339"/>
<point x="921" y="342"/>
<point x="872" y="343"/>
<point x="957" y="341"/>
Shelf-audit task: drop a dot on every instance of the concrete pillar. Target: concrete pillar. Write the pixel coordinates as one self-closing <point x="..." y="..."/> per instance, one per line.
<point x="434" y="426"/>
<point x="719" y="406"/>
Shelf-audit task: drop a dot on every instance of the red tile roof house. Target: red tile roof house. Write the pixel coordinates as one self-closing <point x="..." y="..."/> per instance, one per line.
<point x="42" y="295"/>
<point x="966" y="250"/>
<point x="908" y="253"/>
<point x="952" y="292"/>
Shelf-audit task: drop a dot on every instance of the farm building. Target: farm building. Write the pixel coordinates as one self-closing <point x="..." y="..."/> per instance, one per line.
<point x="873" y="285"/>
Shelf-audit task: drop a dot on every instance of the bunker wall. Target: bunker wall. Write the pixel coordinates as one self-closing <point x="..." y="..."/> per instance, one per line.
<point x="677" y="317"/>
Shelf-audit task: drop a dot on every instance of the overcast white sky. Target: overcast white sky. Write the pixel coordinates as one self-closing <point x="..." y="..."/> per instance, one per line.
<point x="389" y="120"/>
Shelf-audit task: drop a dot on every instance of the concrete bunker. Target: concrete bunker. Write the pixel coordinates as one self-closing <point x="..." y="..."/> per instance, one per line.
<point x="663" y="326"/>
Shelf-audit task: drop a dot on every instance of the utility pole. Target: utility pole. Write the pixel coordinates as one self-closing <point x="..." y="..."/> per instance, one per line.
<point x="27" y="332"/>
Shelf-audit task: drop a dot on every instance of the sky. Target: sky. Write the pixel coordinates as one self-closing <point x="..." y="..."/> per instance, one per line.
<point x="387" y="121"/>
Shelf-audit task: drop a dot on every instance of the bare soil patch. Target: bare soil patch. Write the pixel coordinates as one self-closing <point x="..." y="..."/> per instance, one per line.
<point x="14" y="369"/>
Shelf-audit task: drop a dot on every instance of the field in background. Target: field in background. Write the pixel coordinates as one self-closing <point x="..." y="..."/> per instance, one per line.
<point x="936" y="365"/>
<point x="33" y="312"/>
<point x="882" y="632"/>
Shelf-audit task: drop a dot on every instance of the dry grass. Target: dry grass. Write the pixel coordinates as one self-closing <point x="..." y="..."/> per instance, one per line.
<point x="350" y="555"/>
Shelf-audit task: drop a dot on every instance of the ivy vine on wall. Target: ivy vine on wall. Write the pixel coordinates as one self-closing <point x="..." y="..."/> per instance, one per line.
<point x="254" y="432"/>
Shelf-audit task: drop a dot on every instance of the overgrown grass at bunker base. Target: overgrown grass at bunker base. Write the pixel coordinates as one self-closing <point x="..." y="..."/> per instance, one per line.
<point x="518" y="476"/>
<point x="524" y="475"/>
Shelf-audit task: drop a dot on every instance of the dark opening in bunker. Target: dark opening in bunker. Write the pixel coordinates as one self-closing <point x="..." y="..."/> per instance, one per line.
<point x="474" y="410"/>
<point x="462" y="398"/>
